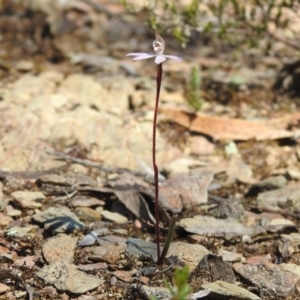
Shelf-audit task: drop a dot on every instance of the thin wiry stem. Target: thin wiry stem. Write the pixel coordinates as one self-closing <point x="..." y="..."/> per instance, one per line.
<point x="158" y="84"/>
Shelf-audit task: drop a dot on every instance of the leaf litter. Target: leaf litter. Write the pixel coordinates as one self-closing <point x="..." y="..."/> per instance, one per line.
<point x="90" y="149"/>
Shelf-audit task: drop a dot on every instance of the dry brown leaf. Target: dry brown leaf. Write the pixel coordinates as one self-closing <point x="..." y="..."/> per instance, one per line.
<point x="221" y="128"/>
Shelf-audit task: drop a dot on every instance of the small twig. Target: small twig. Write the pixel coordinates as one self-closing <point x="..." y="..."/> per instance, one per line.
<point x="32" y="174"/>
<point x="168" y="268"/>
<point x="296" y="46"/>
<point x="89" y="163"/>
<point x="67" y="196"/>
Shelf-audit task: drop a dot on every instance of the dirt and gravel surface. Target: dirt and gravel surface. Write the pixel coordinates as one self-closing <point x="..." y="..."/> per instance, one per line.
<point x="76" y="180"/>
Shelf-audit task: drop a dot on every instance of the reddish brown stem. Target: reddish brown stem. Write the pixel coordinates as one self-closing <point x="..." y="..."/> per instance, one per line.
<point x="158" y="84"/>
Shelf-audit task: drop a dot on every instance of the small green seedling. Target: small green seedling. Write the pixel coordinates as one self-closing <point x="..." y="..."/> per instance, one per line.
<point x="193" y="89"/>
<point x="182" y="290"/>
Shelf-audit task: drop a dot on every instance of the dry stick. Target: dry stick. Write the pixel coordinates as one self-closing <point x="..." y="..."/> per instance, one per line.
<point x="158" y="84"/>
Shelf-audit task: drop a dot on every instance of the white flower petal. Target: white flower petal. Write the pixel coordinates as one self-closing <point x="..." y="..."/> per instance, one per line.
<point x="144" y="56"/>
<point x="136" y="53"/>
<point x="174" y="57"/>
<point x="159" y="59"/>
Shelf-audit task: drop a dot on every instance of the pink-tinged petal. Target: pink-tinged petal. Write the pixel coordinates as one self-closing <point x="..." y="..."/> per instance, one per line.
<point x="136" y="54"/>
<point x="159" y="59"/>
<point x="174" y="57"/>
<point x="143" y="56"/>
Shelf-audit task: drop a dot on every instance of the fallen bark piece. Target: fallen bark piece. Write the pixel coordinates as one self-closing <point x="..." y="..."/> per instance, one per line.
<point x="221" y="128"/>
<point x="225" y="290"/>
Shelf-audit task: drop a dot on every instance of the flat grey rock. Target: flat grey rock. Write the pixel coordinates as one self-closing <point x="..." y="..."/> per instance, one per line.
<point x="58" y="220"/>
<point x="109" y="253"/>
<point x="272" y="281"/>
<point x="19" y="232"/>
<point x="28" y="199"/>
<point x="286" y="197"/>
<point x="66" y="277"/>
<point x="268" y="184"/>
<point x="141" y="247"/>
<point x="225" y="290"/>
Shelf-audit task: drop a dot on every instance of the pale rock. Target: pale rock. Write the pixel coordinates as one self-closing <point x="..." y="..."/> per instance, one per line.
<point x="28" y="199"/>
<point x="180" y="166"/>
<point x="225" y="290"/>
<point x="114" y="216"/>
<point x="231" y="256"/>
<point x="29" y="86"/>
<point x="59" y="248"/>
<point x="286" y="197"/>
<point x="19" y="232"/>
<point x="123" y="275"/>
<point x="3" y="205"/>
<point x="201" y="146"/>
<point x="24" y="65"/>
<point x="3" y="288"/>
<point x="14" y="213"/>
<point x="279" y="221"/>
<point x="292" y="268"/>
<point x="210" y="226"/>
<point x="4" y="219"/>
<point x="66" y="277"/>
<point x="293" y="174"/>
<point x="293" y="238"/>
<point x="58" y="100"/>
<point x="87" y="214"/>
<point x="28" y="261"/>
<point x="272" y="281"/>
<point x="109" y="253"/>
<point x="86" y="91"/>
<point x="190" y="254"/>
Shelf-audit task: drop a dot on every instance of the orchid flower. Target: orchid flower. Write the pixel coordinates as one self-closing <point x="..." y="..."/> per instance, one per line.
<point x="159" y="47"/>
